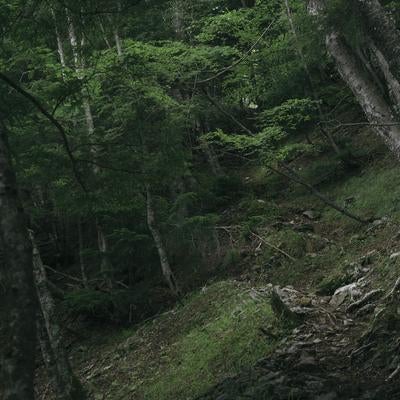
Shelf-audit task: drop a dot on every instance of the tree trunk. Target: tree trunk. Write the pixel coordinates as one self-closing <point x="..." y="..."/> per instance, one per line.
<point x="17" y="294"/>
<point x="373" y="103"/>
<point x="66" y="384"/>
<point x="118" y="44"/>
<point x="105" y="264"/>
<point x="60" y="47"/>
<point x="165" y="266"/>
<point x="383" y="31"/>
<point x="392" y="83"/>
<point x="212" y="159"/>
<point x="375" y="107"/>
<point x="82" y="263"/>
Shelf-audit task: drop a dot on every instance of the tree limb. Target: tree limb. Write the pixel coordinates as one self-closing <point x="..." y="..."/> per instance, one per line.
<point x="59" y="127"/>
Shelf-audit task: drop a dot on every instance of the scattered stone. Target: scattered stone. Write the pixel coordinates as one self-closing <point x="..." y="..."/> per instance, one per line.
<point x="350" y="291"/>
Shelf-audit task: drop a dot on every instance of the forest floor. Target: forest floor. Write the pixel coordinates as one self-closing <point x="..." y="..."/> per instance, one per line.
<point x="228" y="340"/>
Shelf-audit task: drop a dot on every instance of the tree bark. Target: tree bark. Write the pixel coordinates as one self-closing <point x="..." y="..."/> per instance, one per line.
<point x="60" y="47"/>
<point x="373" y="103"/>
<point x="66" y="384"/>
<point x="375" y="107"/>
<point x="17" y="294"/>
<point x="383" y="31"/>
<point x="392" y="83"/>
<point x="165" y="266"/>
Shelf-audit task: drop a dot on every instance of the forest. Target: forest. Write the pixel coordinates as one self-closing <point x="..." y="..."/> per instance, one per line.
<point x="199" y="199"/>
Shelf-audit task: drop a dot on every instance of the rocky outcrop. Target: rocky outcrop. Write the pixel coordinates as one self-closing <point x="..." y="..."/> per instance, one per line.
<point x="323" y="357"/>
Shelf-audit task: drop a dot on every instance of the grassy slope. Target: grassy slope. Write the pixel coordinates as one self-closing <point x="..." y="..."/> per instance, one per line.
<point x="180" y="354"/>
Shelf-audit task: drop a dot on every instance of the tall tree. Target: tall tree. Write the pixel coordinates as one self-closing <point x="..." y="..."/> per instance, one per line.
<point x="17" y="301"/>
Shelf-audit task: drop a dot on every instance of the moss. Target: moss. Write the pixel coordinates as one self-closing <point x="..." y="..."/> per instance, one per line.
<point x="329" y="284"/>
<point x="182" y="353"/>
<point x="376" y="192"/>
<point x="227" y="341"/>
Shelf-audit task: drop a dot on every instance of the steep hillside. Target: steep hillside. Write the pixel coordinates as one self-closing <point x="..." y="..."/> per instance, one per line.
<point x="225" y="333"/>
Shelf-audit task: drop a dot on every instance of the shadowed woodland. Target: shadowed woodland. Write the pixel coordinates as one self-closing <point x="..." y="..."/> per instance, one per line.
<point x="199" y="199"/>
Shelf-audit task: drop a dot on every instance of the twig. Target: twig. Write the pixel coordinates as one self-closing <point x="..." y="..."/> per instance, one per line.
<point x="64" y="275"/>
<point x="393" y="374"/>
<point x="273" y="246"/>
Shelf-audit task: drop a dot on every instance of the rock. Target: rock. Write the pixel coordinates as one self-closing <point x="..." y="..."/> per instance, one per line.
<point x="310" y="214"/>
<point x="306" y="363"/>
<point x="287" y="302"/>
<point x="303" y="227"/>
<point x="394" y="255"/>
<point x="370" y="296"/>
<point x="345" y="292"/>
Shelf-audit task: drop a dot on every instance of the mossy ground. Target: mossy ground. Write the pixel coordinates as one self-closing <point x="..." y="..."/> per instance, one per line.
<point x="215" y="333"/>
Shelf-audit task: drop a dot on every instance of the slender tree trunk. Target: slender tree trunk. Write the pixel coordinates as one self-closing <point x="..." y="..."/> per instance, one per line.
<point x="17" y="294"/>
<point x="103" y="31"/>
<point x="105" y="264"/>
<point x="212" y="159"/>
<point x="118" y="43"/>
<point x="60" y="47"/>
<point x="165" y="266"/>
<point x="177" y="9"/>
<point x="67" y="386"/>
<point x="82" y="263"/>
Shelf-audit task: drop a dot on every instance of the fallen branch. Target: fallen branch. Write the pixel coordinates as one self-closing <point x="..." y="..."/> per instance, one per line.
<point x="295" y="178"/>
<point x="273" y="246"/>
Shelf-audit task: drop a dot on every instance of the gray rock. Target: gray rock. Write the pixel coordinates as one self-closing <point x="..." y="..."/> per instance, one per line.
<point x="350" y="291"/>
<point x="288" y="303"/>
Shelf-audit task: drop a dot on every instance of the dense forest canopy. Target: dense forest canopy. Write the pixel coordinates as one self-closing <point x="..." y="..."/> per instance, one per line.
<point x="144" y="144"/>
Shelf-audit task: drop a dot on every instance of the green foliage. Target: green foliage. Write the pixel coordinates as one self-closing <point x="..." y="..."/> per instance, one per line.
<point x="227" y="189"/>
<point x="118" y="305"/>
<point x="292" y="115"/>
